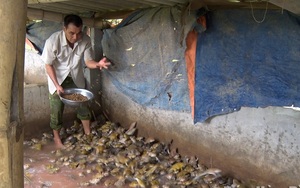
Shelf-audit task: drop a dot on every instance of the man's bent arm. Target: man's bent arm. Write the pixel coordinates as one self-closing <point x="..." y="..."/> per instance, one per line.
<point x="51" y="73"/>
<point x="103" y="63"/>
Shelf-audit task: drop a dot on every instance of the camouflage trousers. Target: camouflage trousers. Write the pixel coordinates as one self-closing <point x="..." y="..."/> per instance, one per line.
<point x="57" y="107"/>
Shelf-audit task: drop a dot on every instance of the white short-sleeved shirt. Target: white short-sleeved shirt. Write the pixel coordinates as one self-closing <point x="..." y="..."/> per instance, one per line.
<point x="66" y="60"/>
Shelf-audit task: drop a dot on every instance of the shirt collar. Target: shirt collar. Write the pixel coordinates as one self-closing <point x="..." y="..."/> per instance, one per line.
<point x="64" y="40"/>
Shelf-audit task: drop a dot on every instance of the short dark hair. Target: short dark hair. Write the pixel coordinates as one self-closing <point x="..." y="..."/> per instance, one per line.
<point x="74" y="19"/>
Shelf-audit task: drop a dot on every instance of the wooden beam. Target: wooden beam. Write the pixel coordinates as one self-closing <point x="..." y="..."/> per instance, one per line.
<point x="38" y="14"/>
<point x="45" y="1"/>
<point x="291" y="5"/>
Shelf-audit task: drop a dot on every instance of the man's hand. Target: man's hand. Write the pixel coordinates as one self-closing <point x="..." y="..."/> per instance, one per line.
<point x="59" y="89"/>
<point x="103" y="63"/>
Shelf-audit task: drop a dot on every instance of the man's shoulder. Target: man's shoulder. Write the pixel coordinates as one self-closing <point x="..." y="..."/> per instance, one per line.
<point x="84" y="41"/>
<point x="55" y="36"/>
<point x="86" y="38"/>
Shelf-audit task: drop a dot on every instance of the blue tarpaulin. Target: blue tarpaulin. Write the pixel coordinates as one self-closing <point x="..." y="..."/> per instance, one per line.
<point x="39" y="32"/>
<point x="149" y="65"/>
<point x="240" y="62"/>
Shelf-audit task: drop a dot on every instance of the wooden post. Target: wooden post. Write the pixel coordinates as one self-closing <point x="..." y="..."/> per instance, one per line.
<point x="12" y="46"/>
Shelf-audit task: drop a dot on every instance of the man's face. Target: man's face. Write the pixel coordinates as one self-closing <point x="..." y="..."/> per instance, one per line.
<point x="73" y="33"/>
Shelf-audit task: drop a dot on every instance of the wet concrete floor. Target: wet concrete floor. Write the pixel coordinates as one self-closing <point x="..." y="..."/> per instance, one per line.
<point x="38" y="172"/>
<point x="124" y="155"/>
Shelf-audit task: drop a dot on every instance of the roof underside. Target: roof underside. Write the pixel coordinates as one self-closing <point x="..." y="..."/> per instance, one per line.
<point x="120" y="8"/>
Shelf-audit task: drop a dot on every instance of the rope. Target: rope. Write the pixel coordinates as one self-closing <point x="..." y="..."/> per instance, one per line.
<point x="283" y="5"/>
<point x="264" y="13"/>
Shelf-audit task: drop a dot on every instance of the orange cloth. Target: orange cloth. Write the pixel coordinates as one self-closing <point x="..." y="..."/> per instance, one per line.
<point x="190" y="59"/>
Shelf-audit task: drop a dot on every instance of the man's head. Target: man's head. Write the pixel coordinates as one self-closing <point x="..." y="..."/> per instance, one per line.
<point x="73" y="28"/>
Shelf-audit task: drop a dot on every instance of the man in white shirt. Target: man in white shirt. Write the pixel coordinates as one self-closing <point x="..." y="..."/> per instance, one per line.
<point x="63" y="54"/>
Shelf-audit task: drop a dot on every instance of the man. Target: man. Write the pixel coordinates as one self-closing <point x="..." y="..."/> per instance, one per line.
<point x="63" y="54"/>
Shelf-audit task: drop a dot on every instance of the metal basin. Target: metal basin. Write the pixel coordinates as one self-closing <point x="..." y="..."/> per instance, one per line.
<point x="72" y="103"/>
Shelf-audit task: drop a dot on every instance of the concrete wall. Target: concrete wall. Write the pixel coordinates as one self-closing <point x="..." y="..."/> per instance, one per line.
<point x="36" y="101"/>
<point x="34" y="70"/>
<point x="254" y="143"/>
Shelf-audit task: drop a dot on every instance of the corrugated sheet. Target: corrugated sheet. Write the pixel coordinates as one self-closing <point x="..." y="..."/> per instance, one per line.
<point x="105" y="8"/>
<point x="98" y="6"/>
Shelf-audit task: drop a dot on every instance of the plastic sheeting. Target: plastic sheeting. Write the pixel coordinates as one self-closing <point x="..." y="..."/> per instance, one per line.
<point x="39" y="32"/>
<point x="243" y="63"/>
<point x="149" y="65"/>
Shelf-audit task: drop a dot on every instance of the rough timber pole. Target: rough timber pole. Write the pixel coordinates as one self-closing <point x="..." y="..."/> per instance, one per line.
<point x="12" y="40"/>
